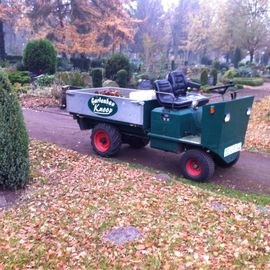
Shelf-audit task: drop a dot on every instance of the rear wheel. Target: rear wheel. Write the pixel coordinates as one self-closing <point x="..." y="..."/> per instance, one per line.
<point x="220" y="162"/>
<point x="106" y="140"/>
<point x="197" y="165"/>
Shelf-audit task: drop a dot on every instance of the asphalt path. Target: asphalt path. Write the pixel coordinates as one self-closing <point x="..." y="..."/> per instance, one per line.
<point x="250" y="174"/>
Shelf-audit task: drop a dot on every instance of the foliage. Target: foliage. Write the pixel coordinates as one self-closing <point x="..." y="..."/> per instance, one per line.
<point x="214" y="75"/>
<point x="114" y="63"/>
<point x="247" y="71"/>
<point x="4" y="63"/>
<point x="80" y="63"/>
<point x="151" y="37"/>
<point x="13" y="139"/>
<point x="205" y="60"/>
<point x="68" y="196"/>
<point x="97" y="63"/>
<point x="216" y="64"/>
<point x="97" y="77"/>
<point x="249" y="81"/>
<point x="230" y="74"/>
<point x="21" y="77"/>
<point x="20" y="66"/>
<point x="85" y="27"/>
<point x="45" y="80"/>
<point x="40" y="56"/>
<point x="122" y="78"/>
<point x="237" y="57"/>
<point x="74" y="78"/>
<point x="110" y="83"/>
<point x="204" y="77"/>
<point x="21" y="89"/>
<point x="258" y="129"/>
<point x="63" y="64"/>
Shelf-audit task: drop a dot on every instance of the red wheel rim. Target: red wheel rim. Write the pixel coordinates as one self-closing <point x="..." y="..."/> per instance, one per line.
<point x="101" y="141"/>
<point x="194" y="167"/>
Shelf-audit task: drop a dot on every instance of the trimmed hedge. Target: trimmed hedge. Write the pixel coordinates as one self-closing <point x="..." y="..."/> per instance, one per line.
<point x="21" y="77"/>
<point x="14" y="161"/>
<point x="39" y="56"/>
<point x="246" y="81"/>
<point x="114" y="63"/>
<point x="97" y="77"/>
<point x="122" y="78"/>
<point x="249" y="81"/>
<point x="204" y="77"/>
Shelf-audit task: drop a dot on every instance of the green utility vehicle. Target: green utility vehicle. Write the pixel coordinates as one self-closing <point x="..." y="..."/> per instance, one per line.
<point x="174" y="117"/>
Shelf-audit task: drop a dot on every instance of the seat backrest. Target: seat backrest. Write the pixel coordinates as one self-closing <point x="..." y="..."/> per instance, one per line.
<point x="162" y="87"/>
<point x="178" y="82"/>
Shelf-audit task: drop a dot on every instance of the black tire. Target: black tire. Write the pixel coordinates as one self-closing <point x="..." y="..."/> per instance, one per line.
<point x="106" y="140"/>
<point x="197" y="165"/>
<point x="136" y="142"/>
<point x="223" y="164"/>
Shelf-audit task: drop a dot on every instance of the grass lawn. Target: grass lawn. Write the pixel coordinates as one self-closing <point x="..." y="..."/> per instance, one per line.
<point x="73" y="200"/>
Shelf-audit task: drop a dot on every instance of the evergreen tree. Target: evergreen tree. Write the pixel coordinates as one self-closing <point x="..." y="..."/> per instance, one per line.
<point x="14" y="164"/>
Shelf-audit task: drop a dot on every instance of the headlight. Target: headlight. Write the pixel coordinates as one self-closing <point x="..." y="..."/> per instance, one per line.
<point x="249" y="111"/>
<point x="227" y="118"/>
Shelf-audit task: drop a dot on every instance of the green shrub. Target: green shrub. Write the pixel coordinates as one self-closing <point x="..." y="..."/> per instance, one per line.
<point x="239" y="86"/>
<point x="45" y="80"/>
<point x="114" y="63"/>
<point x="19" y="77"/>
<point x="74" y="78"/>
<point x="246" y="81"/>
<point x="237" y="56"/>
<point x="97" y="77"/>
<point x="21" y="89"/>
<point x="81" y="63"/>
<point x="249" y="81"/>
<point x="63" y="64"/>
<point x="14" y="163"/>
<point x="39" y="56"/>
<point x="216" y="65"/>
<point x="204" y="77"/>
<point x="122" y="78"/>
<point x="205" y="60"/>
<point x="110" y="83"/>
<point x="230" y="74"/>
<point x="214" y="75"/>
<point x="96" y="63"/>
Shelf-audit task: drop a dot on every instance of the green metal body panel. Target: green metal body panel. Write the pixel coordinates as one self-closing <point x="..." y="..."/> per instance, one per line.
<point x="218" y="135"/>
<point x="169" y="126"/>
<point x="173" y="130"/>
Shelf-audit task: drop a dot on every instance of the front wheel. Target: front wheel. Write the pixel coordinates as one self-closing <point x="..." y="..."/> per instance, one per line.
<point x="106" y="140"/>
<point x="197" y="165"/>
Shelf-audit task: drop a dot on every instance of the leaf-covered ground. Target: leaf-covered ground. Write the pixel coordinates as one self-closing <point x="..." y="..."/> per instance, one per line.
<point x="73" y="200"/>
<point x="34" y="102"/>
<point x="258" y="134"/>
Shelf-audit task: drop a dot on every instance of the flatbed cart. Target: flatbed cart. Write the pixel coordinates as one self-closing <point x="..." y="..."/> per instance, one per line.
<point x="171" y="117"/>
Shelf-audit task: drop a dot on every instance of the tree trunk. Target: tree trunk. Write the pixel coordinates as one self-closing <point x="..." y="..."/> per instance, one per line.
<point x="251" y="54"/>
<point x="2" y="42"/>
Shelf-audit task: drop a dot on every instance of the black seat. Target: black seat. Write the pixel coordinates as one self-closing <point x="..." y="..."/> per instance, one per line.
<point x="180" y="84"/>
<point x="166" y="97"/>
